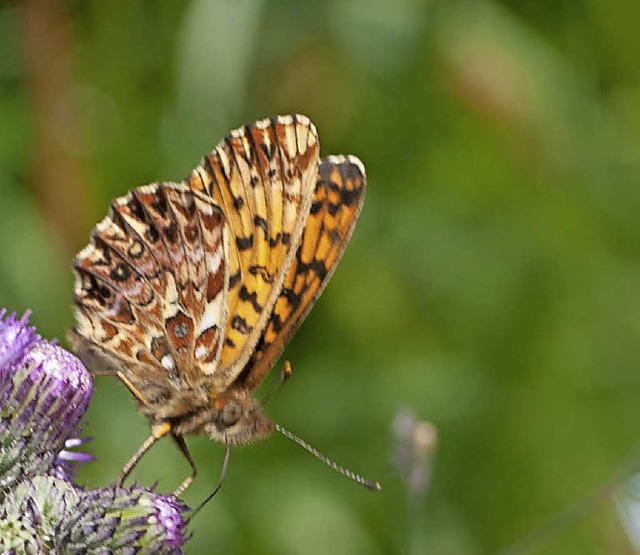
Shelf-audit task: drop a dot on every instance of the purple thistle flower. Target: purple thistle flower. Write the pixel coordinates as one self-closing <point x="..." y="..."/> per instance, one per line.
<point x="169" y="515"/>
<point x="122" y="519"/>
<point x="31" y="513"/>
<point x="15" y="338"/>
<point x="44" y="392"/>
<point x="65" y="464"/>
<point x="49" y="514"/>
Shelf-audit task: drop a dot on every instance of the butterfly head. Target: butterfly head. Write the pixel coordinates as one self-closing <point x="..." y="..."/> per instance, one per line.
<point x="237" y="419"/>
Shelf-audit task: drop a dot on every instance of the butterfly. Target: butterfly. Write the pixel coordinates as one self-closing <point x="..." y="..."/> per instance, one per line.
<point x="188" y="292"/>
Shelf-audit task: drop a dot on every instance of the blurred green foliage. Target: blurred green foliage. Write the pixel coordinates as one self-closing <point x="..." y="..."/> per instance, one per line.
<point x="492" y="284"/>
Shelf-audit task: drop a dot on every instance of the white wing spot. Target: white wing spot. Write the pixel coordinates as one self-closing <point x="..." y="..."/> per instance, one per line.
<point x="200" y="351"/>
<point x="214" y="260"/>
<point x="213" y="314"/>
<point x="167" y="362"/>
<point x="263" y="123"/>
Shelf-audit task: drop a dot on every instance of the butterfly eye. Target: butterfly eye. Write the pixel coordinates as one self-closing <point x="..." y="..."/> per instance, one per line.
<point x="230" y="414"/>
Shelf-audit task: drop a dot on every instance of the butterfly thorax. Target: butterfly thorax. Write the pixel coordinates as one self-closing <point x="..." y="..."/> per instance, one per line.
<point x="233" y="417"/>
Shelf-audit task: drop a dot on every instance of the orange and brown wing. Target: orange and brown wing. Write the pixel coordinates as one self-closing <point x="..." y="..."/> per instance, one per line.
<point x="337" y="201"/>
<point x="262" y="176"/>
<point x="150" y="290"/>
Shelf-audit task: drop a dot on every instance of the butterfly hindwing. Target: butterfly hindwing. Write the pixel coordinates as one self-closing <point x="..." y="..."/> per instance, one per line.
<point x="151" y="285"/>
<point x="263" y="177"/>
<point x="337" y="201"/>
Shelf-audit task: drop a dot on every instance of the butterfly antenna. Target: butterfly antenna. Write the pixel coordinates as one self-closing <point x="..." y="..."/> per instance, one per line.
<point x="284" y="376"/>
<point x="375" y="486"/>
<point x="223" y="471"/>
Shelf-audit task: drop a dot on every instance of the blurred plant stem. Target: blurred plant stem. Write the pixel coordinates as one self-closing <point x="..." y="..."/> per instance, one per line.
<point x="413" y="459"/>
<point x="57" y="173"/>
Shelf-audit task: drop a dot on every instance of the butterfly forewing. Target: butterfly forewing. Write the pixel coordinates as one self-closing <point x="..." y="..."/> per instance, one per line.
<point x="337" y="201"/>
<point x="151" y="286"/>
<point x="263" y="176"/>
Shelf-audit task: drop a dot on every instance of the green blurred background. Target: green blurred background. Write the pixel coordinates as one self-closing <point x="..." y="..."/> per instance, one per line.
<point x="492" y="284"/>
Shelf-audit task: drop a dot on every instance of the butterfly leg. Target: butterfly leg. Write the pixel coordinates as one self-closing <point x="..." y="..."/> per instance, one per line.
<point x="157" y="432"/>
<point x="132" y="388"/>
<point x="284" y="376"/>
<point x="182" y="445"/>
<point x="223" y="472"/>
